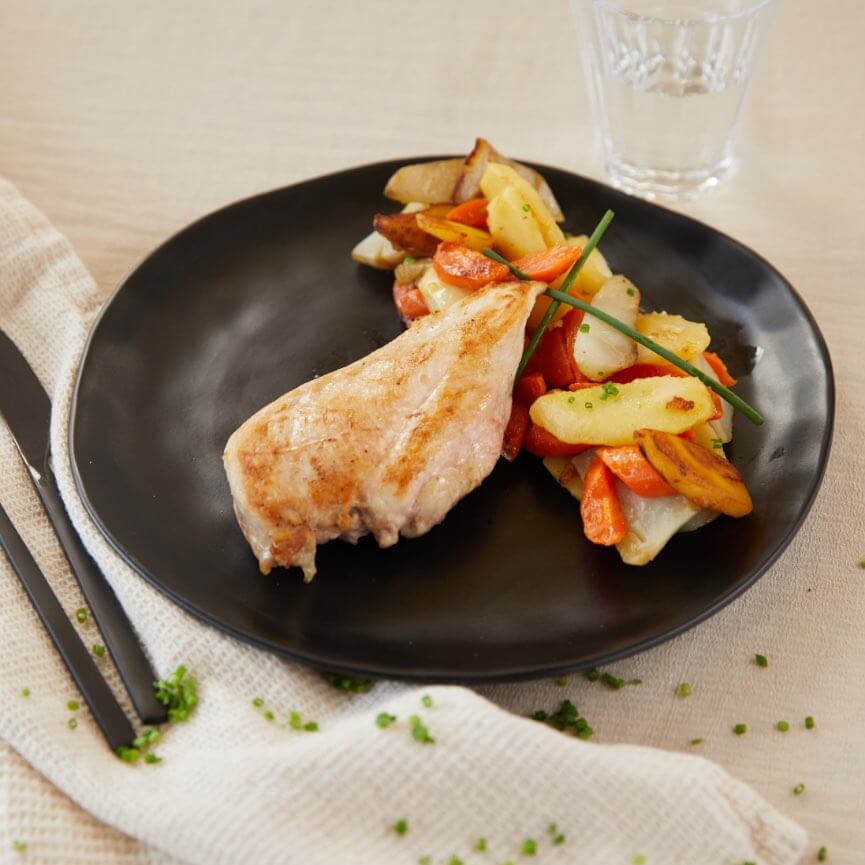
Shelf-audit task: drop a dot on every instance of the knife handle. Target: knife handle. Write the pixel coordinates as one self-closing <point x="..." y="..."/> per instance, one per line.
<point x="103" y="704"/>
<point x="114" y="624"/>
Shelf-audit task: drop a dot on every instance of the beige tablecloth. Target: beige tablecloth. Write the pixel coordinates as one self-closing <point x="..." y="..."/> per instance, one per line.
<point x="124" y="122"/>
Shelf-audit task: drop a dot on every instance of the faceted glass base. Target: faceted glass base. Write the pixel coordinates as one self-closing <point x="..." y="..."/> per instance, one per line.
<point x="663" y="184"/>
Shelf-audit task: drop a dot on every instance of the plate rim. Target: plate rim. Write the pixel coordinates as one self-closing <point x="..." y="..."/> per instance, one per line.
<point x="510" y="674"/>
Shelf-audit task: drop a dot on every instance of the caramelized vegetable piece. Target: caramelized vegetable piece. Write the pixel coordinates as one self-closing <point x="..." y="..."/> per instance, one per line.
<point x="515" y="431"/>
<point x="629" y="465"/>
<point x="703" y="478"/>
<point x="404" y="231"/>
<point x="454" y="232"/>
<point x="603" y="520"/>
<point x="644" y="370"/>
<point x="427" y="182"/>
<point x="544" y="444"/>
<point x="553" y="361"/>
<point x="410" y="303"/>
<point x="466" y="268"/>
<point x="547" y="265"/>
<point x="472" y="212"/>
<point x="530" y="387"/>
<point x="719" y="368"/>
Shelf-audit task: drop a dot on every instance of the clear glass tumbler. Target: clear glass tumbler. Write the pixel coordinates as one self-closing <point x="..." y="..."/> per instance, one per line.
<point x="669" y="80"/>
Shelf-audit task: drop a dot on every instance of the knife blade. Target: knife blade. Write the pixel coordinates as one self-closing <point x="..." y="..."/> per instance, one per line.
<point x="26" y="408"/>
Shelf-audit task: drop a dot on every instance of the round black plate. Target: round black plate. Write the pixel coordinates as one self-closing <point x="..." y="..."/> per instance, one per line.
<point x="257" y="298"/>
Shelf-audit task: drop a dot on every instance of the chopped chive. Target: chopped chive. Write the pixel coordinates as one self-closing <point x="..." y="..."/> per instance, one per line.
<point x="862" y="564"/>
<point x="383" y="719"/>
<point x="821" y="854"/>
<point x="257" y="702"/>
<point x="584" y="328"/>
<point x="614" y="683"/>
<point x="295" y="721"/>
<point x="588" y="405"/>
<point x="629" y="291"/>
<point x="98" y="650"/>
<point x="72" y="723"/>
<point x="409" y="259"/>
<point x="349" y="683"/>
<point x="269" y="715"/>
<point x="152" y="758"/>
<point x="148" y="737"/>
<point x="25" y="692"/>
<point x="81" y="614"/>
<point x="455" y="860"/>
<point x="427" y="701"/>
<point x="809" y="723"/>
<point x="799" y="789"/>
<point x="419" y="731"/>
<point x="425" y="860"/>
<point x="128" y="755"/>
<point x="179" y="692"/>
<point x="593" y="675"/>
<point x="72" y="705"/>
<point x="740" y="729"/>
<point x="560" y="681"/>
<point x="481" y="845"/>
<point x="558" y="838"/>
<point x="782" y="726"/>
<point x="761" y="660"/>
<point x="311" y="726"/>
<point x="530" y="847"/>
<point x="400" y="827"/>
<point x="639" y="859"/>
<point x="572" y="399"/>
<point x="697" y="741"/>
<point x="684" y="690"/>
<point x="527" y="208"/>
<point x="717" y="444"/>
<point x="19" y="846"/>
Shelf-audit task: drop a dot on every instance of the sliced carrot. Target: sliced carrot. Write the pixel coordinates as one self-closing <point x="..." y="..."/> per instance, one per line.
<point x="472" y="212"/>
<point x="571" y="326"/>
<point x="553" y="360"/>
<point x="719" y="406"/>
<point x="629" y="465"/>
<point x="530" y="387"/>
<point x="515" y="431"/>
<point x="644" y="370"/>
<point x="543" y="443"/>
<point x="409" y="301"/>
<point x="603" y="520"/>
<point x="580" y="385"/>
<point x="546" y="265"/>
<point x="719" y="368"/>
<point x="466" y="268"/>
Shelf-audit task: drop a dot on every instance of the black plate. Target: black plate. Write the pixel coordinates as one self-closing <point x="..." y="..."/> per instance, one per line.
<point x="257" y="298"/>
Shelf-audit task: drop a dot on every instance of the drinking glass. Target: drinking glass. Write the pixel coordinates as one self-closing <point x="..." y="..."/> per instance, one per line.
<point x="668" y="81"/>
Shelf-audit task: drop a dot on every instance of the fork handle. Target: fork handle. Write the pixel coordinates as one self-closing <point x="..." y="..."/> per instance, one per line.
<point x="111" y="618"/>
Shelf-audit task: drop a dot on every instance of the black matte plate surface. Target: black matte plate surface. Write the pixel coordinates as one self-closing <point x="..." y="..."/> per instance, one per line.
<point x="257" y="298"/>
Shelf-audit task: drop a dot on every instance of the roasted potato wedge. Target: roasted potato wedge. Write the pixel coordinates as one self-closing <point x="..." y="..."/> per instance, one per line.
<point x="377" y="251"/>
<point x="439" y="294"/>
<point x="439" y="228"/>
<point x="404" y="232"/>
<point x="427" y="182"/>
<point x="706" y="480"/>
<point x="611" y="416"/>
<point x="684" y="338"/>
<point x="563" y="470"/>
<point x="513" y="226"/>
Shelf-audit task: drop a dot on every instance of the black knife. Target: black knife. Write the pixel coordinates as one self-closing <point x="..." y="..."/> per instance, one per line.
<point x="25" y="407"/>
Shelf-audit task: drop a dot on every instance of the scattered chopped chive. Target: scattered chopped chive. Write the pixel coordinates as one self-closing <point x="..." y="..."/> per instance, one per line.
<point x="98" y="650"/>
<point x="400" y="827"/>
<point x="629" y="291"/>
<point x="539" y="715"/>
<point x="558" y="838"/>
<point x="73" y="723"/>
<point x="639" y="859"/>
<point x="481" y="845"/>
<point x="295" y="721"/>
<point x="427" y="701"/>
<point x="527" y="207"/>
<point x="25" y="692"/>
<point x="269" y="715"/>
<point x="717" y="443"/>
<point x="72" y="705"/>
<point x="148" y="737"/>
<point x="782" y="726"/>
<point x="560" y="681"/>
<point x="425" y="860"/>
<point x="455" y="860"/>
<point x="311" y="726"/>
<point x="128" y="755"/>
<point x="862" y="564"/>
<point x="257" y="702"/>
<point x="152" y="758"/>
<point x="530" y="847"/>
<point x="383" y="719"/>
<point x="409" y="259"/>
<point x="809" y="723"/>
<point x="19" y="846"/>
<point x="740" y="729"/>
<point x="799" y="789"/>
<point x="566" y="717"/>
<point x="584" y="328"/>
<point x="614" y="683"/>
<point x="81" y="614"/>
<point x="572" y="399"/>
<point x="761" y="660"/>
<point x="593" y="675"/>
<point x="684" y="690"/>
<point x="179" y="692"/>
<point x="588" y="405"/>
<point x="697" y="741"/>
<point x="419" y="731"/>
<point x="821" y="854"/>
<point x="609" y="390"/>
<point x="349" y="683"/>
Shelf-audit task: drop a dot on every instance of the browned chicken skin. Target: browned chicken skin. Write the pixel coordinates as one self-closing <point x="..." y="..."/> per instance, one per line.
<point x="386" y="445"/>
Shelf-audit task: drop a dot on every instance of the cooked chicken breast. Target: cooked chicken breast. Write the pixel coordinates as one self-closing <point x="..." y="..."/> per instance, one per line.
<point x="386" y="445"/>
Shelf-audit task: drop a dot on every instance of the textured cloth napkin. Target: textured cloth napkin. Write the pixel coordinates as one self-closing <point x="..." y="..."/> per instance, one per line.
<point x="234" y="787"/>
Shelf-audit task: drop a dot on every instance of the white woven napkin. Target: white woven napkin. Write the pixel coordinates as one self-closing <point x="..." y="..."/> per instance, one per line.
<point x="234" y="787"/>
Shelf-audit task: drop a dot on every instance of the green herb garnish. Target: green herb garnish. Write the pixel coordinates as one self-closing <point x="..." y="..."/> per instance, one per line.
<point x="311" y="726"/>
<point x="25" y="692"/>
<point x="799" y="789"/>
<point x="19" y="846"/>
<point x="128" y="755"/>
<point x="717" y="444"/>
<point x="383" y="719"/>
<point x="809" y="723"/>
<point x="566" y="717"/>
<point x="72" y="723"/>
<point x="527" y="208"/>
<point x="149" y="736"/>
<point x="427" y="701"/>
<point x="400" y="827"/>
<point x="152" y="758"/>
<point x="409" y="259"/>
<point x="821" y="854"/>
<point x="697" y="741"/>
<point x="629" y="291"/>
<point x="761" y="660"/>
<point x="481" y="845"/>
<point x="269" y="715"/>
<point x="98" y="650"/>
<point x="588" y="405"/>
<point x="572" y="399"/>
<point x="609" y="390"/>
<point x="584" y="328"/>
<point x="556" y="836"/>
<point x="295" y="721"/>
<point x="349" y="683"/>
<point x="782" y="726"/>
<point x="257" y="702"/>
<point x="740" y="729"/>
<point x="72" y="705"/>
<point x="81" y="615"/>
<point x="455" y="860"/>
<point x="639" y="859"/>
<point x="684" y="690"/>
<point x="530" y="847"/>
<point x="419" y="731"/>
<point x="593" y="675"/>
<point x="560" y="681"/>
<point x="179" y="693"/>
